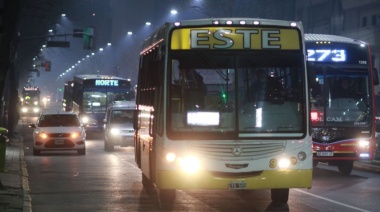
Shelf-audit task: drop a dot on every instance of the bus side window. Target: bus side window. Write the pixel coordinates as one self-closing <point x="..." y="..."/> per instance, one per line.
<point x="176" y="88"/>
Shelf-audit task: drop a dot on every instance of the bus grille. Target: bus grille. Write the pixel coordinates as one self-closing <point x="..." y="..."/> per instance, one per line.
<point x="238" y="151"/>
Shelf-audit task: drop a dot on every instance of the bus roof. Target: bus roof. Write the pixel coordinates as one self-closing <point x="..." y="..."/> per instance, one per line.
<point x="331" y="38"/>
<point x="161" y="33"/>
<point x="97" y="76"/>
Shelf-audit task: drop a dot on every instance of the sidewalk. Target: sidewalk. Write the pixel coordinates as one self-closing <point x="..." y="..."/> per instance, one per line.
<point x="14" y="187"/>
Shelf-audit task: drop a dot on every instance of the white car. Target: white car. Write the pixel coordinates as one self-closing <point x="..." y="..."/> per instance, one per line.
<point x="118" y="125"/>
<point x="56" y="131"/>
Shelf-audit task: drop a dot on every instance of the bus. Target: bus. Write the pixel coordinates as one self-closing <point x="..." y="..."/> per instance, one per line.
<point x="91" y="95"/>
<point x="67" y="101"/>
<point x="30" y="102"/>
<point x="202" y="123"/>
<point x="342" y="100"/>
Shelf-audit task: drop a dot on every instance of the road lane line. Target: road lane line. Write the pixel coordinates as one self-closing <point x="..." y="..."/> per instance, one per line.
<point x="330" y="200"/>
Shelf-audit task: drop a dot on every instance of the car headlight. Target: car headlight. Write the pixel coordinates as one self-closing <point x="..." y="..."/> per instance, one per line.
<point x="85" y="119"/>
<point x="115" y="131"/>
<point x="75" y="135"/>
<point x="42" y="135"/>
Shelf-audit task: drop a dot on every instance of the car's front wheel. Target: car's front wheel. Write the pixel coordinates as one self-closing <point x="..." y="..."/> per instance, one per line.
<point x="108" y="145"/>
<point x="82" y="151"/>
<point x="36" y="152"/>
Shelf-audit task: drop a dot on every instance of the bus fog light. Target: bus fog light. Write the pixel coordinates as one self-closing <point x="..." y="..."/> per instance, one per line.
<point x="364" y="155"/>
<point x="284" y="163"/>
<point x="363" y="143"/>
<point x="170" y="157"/>
<point x="301" y="156"/>
<point x="189" y="164"/>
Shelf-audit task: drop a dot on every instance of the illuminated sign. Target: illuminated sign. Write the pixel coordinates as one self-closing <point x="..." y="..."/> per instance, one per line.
<point x="114" y="83"/>
<point x="235" y="38"/>
<point x="326" y="55"/>
<point x="31" y="88"/>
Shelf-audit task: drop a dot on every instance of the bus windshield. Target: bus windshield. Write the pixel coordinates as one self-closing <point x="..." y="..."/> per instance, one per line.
<point x="99" y="101"/>
<point x="340" y="96"/>
<point x="245" y="93"/>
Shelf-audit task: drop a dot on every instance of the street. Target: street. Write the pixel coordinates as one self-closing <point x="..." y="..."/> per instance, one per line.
<point x="111" y="181"/>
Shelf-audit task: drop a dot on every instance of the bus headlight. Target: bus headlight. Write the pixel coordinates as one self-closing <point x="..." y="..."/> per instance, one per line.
<point x="24" y="109"/>
<point x="36" y="110"/>
<point x="189" y="164"/>
<point x="170" y="157"/>
<point x="283" y="163"/>
<point x="363" y="143"/>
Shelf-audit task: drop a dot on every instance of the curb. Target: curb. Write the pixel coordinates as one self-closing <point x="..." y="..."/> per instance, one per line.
<point x="367" y="166"/>
<point x="27" y="200"/>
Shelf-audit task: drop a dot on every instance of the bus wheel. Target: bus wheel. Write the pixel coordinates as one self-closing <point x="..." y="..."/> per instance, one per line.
<point x="147" y="184"/>
<point x="345" y="167"/>
<point x="166" y="196"/>
<point x="280" y="196"/>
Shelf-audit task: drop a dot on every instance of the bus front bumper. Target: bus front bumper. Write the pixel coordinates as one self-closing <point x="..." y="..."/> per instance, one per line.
<point x="259" y="180"/>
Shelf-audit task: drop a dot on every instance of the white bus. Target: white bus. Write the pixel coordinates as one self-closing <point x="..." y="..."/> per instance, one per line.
<point x="223" y="104"/>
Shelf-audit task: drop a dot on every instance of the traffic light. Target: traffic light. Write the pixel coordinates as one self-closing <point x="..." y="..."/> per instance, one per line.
<point x="47" y="66"/>
<point x="88" y="38"/>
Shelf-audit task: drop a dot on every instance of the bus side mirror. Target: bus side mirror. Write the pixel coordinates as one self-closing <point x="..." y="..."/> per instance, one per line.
<point x="375" y="77"/>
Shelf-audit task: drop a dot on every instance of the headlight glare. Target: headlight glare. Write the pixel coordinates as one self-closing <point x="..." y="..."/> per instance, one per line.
<point x="189" y="164"/>
<point x="284" y="163"/>
<point x="42" y="135"/>
<point x="170" y="157"/>
<point x="363" y="143"/>
<point x="84" y="119"/>
<point x="115" y="131"/>
<point x="75" y="135"/>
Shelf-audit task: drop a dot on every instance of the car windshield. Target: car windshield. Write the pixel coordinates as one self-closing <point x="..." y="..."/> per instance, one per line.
<point x="58" y="120"/>
<point x="122" y="116"/>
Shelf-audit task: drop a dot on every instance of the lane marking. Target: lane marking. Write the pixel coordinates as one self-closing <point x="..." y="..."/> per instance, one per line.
<point x="330" y="200"/>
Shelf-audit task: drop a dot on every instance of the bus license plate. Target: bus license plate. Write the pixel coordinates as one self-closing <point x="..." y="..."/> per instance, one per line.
<point x="325" y="153"/>
<point x="59" y="142"/>
<point x="237" y="185"/>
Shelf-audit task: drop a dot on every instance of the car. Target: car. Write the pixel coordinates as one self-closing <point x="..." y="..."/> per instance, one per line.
<point x="30" y="110"/>
<point x="118" y="125"/>
<point x="58" y="131"/>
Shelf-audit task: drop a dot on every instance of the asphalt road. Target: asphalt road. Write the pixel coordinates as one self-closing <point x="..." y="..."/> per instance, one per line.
<point x="111" y="181"/>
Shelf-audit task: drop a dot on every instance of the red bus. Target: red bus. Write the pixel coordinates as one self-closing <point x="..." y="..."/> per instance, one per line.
<point x="342" y="100"/>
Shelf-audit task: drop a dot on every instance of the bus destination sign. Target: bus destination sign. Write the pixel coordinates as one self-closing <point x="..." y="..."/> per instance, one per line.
<point x="235" y="38"/>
